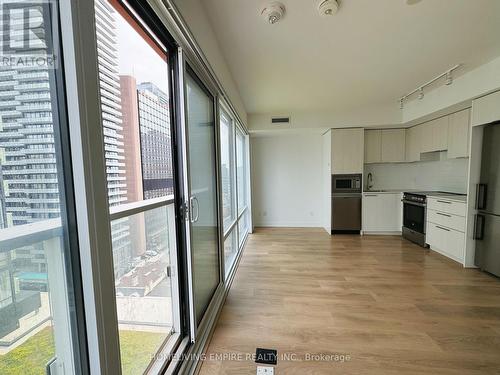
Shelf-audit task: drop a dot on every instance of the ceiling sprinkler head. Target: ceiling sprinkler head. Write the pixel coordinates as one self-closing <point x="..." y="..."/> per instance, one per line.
<point x="273" y="12"/>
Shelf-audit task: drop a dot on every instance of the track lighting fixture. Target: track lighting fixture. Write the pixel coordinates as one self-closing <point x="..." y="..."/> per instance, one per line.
<point x="448" y="80"/>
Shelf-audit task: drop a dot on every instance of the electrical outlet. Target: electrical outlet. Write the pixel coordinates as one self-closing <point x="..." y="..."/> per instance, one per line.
<point x="265" y="370"/>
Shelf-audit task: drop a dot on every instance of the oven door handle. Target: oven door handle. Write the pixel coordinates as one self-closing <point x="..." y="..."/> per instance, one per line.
<point x="414" y="203"/>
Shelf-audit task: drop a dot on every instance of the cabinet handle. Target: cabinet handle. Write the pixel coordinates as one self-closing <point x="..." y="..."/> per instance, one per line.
<point x="371" y="195"/>
<point x="447" y="202"/>
<point x="437" y="226"/>
<point x="440" y="213"/>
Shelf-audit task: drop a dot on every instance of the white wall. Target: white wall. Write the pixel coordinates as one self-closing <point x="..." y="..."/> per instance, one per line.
<point x="326" y="172"/>
<point x="287" y="184"/>
<point x="196" y="18"/>
<point x="388" y="115"/>
<point x="446" y="175"/>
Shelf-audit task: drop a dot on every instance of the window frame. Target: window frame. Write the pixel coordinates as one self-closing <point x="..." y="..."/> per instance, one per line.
<point x="88" y="162"/>
<point x="87" y="145"/>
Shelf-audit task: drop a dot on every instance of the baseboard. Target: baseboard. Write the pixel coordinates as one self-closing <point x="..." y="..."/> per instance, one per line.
<point x="395" y="233"/>
<point x="288" y="225"/>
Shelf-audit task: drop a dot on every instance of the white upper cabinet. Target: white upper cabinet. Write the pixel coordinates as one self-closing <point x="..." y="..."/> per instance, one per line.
<point x="347" y="150"/>
<point x="385" y="146"/>
<point x="426" y="143"/>
<point x="486" y="109"/>
<point x="435" y="135"/>
<point x="458" y="134"/>
<point x="393" y="145"/>
<point x="413" y="143"/>
<point x="440" y="134"/>
<point x="373" y="145"/>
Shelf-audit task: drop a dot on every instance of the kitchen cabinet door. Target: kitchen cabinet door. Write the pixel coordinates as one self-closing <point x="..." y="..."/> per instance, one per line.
<point x="373" y="146"/>
<point x="347" y="151"/>
<point x="458" y="134"/>
<point x="440" y="134"/>
<point x="371" y="208"/>
<point x="427" y="133"/>
<point x="486" y="109"/>
<point x="413" y="144"/>
<point x="393" y="145"/>
<point x="355" y="151"/>
<point x="448" y="242"/>
<point x="381" y="212"/>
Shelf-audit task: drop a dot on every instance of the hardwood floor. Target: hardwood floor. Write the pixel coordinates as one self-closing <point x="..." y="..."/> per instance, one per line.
<point x="386" y="305"/>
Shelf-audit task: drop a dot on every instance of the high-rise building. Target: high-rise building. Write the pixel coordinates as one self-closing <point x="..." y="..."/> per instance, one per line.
<point x="131" y="138"/>
<point x="109" y="83"/>
<point x="154" y="122"/>
<point x="28" y="167"/>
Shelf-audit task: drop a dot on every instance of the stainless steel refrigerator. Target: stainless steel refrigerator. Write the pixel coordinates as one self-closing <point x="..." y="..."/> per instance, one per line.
<point x="487" y="220"/>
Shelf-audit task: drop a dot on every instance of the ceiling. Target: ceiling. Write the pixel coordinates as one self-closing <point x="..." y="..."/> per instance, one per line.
<point x="369" y="54"/>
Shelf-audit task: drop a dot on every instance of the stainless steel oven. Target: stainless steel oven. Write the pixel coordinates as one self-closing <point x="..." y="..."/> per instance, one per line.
<point x="414" y="217"/>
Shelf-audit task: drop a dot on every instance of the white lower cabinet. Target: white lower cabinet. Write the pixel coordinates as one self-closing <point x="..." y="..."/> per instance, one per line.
<point x="382" y="212"/>
<point x="445" y="232"/>
<point x="447" y="241"/>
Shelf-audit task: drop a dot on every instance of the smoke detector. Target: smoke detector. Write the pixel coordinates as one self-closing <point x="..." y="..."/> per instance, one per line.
<point x="273" y="12"/>
<point x="328" y="7"/>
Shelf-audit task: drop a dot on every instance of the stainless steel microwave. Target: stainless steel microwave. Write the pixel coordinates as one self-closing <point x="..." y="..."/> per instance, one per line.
<point x="346" y="183"/>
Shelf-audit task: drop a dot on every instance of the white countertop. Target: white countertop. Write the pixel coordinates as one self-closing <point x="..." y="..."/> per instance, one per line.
<point x="448" y="196"/>
<point x="384" y="191"/>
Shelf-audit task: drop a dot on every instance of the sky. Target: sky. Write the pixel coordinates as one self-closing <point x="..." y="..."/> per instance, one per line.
<point x="137" y="58"/>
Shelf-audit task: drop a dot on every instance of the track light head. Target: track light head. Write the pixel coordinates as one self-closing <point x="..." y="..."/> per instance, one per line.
<point x="448" y="78"/>
<point x="420" y="93"/>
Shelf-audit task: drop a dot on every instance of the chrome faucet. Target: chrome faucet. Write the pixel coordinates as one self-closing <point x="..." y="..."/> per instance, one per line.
<point x="369" y="181"/>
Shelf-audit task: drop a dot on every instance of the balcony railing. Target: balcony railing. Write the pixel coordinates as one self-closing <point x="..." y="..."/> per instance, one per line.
<point x="36" y="299"/>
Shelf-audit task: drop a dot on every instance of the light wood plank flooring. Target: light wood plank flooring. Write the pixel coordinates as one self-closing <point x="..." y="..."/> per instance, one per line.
<point x="389" y="305"/>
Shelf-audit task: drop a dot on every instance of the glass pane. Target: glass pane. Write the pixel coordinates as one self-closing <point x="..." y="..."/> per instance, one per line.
<point x="230" y="250"/>
<point x="134" y="86"/>
<point x="143" y="287"/>
<point x="241" y="170"/>
<point x="202" y="175"/>
<point x="36" y="323"/>
<point x="227" y="170"/>
<point x="243" y="226"/>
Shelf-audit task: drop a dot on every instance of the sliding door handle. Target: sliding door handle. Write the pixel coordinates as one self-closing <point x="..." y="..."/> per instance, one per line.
<point x="193" y="202"/>
<point x="479" y="227"/>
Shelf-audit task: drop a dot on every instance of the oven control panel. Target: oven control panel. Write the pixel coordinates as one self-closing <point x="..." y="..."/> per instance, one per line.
<point x="411" y="197"/>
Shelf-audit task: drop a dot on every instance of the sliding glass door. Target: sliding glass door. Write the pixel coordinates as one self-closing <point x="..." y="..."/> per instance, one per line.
<point x="202" y="185"/>
<point x="135" y="66"/>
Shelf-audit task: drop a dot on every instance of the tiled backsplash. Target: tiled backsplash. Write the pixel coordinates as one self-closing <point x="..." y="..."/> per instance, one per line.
<point x="446" y="175"/>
